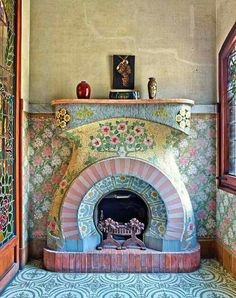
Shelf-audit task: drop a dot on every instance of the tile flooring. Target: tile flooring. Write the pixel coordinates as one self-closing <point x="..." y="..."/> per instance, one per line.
<point x="210" y="281"/>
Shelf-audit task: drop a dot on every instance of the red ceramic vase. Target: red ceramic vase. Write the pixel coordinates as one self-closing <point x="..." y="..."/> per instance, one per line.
<point x="83" y="90"/>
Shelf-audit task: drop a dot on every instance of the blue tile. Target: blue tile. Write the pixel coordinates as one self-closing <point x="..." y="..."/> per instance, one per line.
<point x="211" y="280"/>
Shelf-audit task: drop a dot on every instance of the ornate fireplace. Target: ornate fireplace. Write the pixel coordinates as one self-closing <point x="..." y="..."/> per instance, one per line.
<point x="122" y="167"/>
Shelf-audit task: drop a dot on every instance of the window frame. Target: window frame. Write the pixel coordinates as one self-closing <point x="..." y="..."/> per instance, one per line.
<point x="226" y="182"/>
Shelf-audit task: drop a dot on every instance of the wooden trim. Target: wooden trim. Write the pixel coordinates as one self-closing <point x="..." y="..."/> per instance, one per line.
<point x="207" y="248"/>
<point x="55" y="102"/>
<point x="9" y="257"/>
<point x="24" y="253"/>
<point x="36" y="247"/>
<point x="226" y="182"/>
<point x="7" y="278"/>
<point x="226" y="258"/>
<point x="18" y="180"/>
<point x="11" y="244"/>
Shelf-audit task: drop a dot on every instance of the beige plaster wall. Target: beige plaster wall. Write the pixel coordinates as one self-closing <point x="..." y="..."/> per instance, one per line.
<point x="225" y="19"/>
<point x="73" y="40"/>
<point x="25" y="43"/>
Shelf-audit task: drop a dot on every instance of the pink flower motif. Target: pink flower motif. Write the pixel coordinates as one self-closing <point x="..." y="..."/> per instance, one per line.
<point x="148" y="141"/>
<point x="47" y="151"/>
<point x="47" y="187"/>
<point x="211" y="133"/>
<point x="212" y="169"/>
<point x="38" y="124"/>
<point x="191" y="227"/>
<point x="56" y="179"/>
<point x="183" y="161"/>
<point x="38" y="234"/>
<point x="192" y="187"/>
<point x="52" y="225"/>
<point x="30" y="206"/>
<point x="202" y="179"/>
<point x="114" y="140"/>
<point x="129" y="140"/>
<point x="31" y="133"/>
<point x="63" y="169"/>
<point x="138" y="130"/>
<point x="105" y="130"/>
<point x="55" y="142"/>
<point x="96" y="142"/>
<point x="192" y="151"/>
<point x="201" y="214"/>
<point x="3" y="221"/>
<point x="225" y="221"/>
<point x="31" y="170"/>
<point x="38" y="196"/>
<point x="63" y="183"/>
<point x="38" y="160"/>
<point x="211" y="205"/>
<point x="122" y="127"/>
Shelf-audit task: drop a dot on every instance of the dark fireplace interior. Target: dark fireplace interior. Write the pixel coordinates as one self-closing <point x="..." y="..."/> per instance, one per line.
<point x="121" y="206"/>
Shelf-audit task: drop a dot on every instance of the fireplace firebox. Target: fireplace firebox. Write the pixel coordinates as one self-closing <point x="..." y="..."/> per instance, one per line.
<point x="122" y="206"/>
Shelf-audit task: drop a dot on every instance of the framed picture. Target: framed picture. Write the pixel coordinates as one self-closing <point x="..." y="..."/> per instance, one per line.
<point x="123" y="71"/>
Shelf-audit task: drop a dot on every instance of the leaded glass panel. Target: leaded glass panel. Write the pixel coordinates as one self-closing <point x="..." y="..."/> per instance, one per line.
<point x="7" y="50"/>
<point x="231" y="95"/>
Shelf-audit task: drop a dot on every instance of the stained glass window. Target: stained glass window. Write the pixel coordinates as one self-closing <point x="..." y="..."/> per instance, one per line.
<point x="227" y="113"/>
<point x="231" y="95"/>
<point x="7" y="91"/>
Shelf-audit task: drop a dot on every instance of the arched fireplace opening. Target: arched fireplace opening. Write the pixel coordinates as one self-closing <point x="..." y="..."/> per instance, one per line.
<point x="121" y="206"/>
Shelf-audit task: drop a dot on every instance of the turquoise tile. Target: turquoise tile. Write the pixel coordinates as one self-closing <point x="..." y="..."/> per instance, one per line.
<point x="210" y="281"/>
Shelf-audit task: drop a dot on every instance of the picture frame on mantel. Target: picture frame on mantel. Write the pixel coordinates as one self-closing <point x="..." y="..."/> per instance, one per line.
<point x="123" y="72"/>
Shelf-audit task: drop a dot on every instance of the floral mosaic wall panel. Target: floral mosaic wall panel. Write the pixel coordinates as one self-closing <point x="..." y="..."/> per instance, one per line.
<point x="226" y="219"/>
<point x="49" y="156"/>
<point x="121" y="138"/>
<point x="47" y="161"/>
<point x="196" y="156"/>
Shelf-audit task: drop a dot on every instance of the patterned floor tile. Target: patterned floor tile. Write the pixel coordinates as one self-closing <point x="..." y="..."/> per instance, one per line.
<point x="210" y="281"/>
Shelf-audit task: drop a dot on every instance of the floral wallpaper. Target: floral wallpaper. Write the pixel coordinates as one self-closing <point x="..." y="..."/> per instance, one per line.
<point x="46" y="159"/>
<point x="196" y="156"/>
<point x="226" y="219"/>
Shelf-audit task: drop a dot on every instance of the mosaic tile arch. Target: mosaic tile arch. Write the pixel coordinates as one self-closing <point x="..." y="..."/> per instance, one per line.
<point x="157" y="212"/>
<point x="180" y="230"/>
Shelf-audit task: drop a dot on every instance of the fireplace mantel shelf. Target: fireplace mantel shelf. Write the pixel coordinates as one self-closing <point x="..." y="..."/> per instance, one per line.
<point x="174" y="112"/>
<point x="55" y="102"/>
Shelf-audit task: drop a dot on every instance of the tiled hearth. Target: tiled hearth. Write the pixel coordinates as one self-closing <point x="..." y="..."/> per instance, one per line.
<point x="130" y="260"/>
<point x="122" y="152"/>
